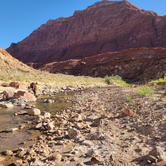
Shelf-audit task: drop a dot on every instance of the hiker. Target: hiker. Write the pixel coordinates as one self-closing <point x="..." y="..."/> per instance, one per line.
<point x="35" y="87"/>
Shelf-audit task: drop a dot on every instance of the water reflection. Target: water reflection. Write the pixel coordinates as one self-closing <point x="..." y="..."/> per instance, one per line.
<point x="62" y="101"/>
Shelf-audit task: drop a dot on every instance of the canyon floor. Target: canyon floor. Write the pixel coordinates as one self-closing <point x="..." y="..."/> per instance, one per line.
<point x="109" y="126"/>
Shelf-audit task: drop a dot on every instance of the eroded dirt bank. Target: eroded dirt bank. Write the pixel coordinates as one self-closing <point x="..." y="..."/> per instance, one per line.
<point x="105" y="126"/>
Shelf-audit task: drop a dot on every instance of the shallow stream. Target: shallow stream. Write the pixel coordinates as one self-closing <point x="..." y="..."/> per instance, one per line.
<point x="10" y="141"/>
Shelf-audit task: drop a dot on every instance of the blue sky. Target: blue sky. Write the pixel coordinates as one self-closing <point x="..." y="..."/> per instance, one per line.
<point x="19" y="18"/>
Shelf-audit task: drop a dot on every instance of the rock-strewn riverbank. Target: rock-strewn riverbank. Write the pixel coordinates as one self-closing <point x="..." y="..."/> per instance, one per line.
<point x="105" y="126"/>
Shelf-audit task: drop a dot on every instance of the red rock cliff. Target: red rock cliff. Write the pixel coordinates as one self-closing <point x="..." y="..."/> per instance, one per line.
<point x="139" y="64"/>
<point x="103" y="27"/>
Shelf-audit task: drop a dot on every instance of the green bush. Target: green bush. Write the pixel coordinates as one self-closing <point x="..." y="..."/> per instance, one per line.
<point x="144" y="90"/>
<point x="112" y="79"/>
<point x="155" y="82"/>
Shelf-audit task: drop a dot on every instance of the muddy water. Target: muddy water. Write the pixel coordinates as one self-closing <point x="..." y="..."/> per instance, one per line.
<point x="7" y="121"/>
<point x="61" y="102"/>
<point x="10" y="141"/>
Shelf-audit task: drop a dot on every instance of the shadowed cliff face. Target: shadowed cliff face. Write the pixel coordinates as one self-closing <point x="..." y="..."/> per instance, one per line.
<point x="141" y="64"/>
<point x="103" y="27"/>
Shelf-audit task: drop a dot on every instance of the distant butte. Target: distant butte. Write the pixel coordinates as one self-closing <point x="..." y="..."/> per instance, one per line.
<point x="103" y="27"/>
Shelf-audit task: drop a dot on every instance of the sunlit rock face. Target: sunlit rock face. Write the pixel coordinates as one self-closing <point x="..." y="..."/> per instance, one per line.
<point x="103" y="27"/>
<point x="137" y="64"/>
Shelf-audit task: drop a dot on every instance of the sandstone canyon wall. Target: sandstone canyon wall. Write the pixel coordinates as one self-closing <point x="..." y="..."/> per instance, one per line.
<point x="103" y="27"/>
<point x="139" y="64"/>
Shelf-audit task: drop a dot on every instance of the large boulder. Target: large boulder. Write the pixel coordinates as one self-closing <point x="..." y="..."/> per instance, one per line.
<point x="6" y="95"/>
<point x="27" y="95"/>
<point x="18" y="85"/>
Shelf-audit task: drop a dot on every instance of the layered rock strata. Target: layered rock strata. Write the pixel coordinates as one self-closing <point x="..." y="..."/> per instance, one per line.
<point x="103" y="27"/>
<point x="141" y="64"/>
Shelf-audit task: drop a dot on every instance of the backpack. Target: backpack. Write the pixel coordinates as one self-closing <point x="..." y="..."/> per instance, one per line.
<point x="32" y="85"/>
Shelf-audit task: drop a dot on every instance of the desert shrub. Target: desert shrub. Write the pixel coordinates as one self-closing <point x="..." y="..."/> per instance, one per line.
<point x="128" y="98"/>
<point x="144" y="90"/>
<point x="108" y="80"/>
<point x="112" y="79"/>
<point x="117" y="77"/>
<point x="155" y="82"/>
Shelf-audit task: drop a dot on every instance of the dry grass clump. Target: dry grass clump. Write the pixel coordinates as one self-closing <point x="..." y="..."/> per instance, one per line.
<point x="144" y="90"/>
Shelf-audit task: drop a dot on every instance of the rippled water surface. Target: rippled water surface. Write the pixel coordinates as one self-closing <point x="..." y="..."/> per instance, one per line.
<point x="8" y="120"/>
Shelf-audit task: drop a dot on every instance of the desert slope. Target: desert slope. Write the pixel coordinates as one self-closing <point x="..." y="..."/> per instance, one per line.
<point x="10" y="65"/>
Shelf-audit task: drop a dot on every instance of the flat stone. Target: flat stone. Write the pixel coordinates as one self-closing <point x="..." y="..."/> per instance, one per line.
<point x="18" y="162"/>
<point x="73" y="133"/>
<point x="2" y="158"/>
<point x="7" y="152"/>
<point x="6" y="105"/>
<point x="38" y="163"/>
<point x="21" y="112"/>
<point x="90" y="153"/>
<point x="87" y="143"/>
<point x="151" y="158"/>
<point x="51" y="126"/>
<point x="34" y="111"/>
<point x="96" y="136"/>
<point x="38" y="126"/>
<point x="158" y="152"/>
<point x="46" y="115"/>
<point x="21" y="154"/>
<point x="162" y="163"/>
<point x="128" y="112"/>
<point x="56" y="157"/>
<point x="95" y="160"/>
<point x="91" y="118"/>
<point x="77" y="118"/>
<point x="9" y="130"/>
<point x="98" y="122"/>
<point x="49" y="101"/>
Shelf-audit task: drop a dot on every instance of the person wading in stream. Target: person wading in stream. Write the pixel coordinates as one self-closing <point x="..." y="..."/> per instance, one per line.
<point x="35" y="87"/>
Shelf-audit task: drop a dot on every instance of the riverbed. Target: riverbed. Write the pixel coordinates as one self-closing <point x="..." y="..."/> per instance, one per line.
<point x="25" y="136"/>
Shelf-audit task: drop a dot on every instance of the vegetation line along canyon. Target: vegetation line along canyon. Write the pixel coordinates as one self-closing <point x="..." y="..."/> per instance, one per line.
<point x="107" y="63"/>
